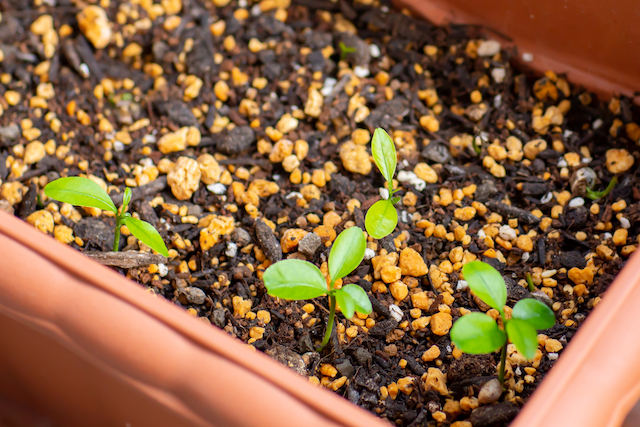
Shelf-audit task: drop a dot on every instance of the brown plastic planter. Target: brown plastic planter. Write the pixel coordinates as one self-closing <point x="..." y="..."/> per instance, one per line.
<point x="88" y="347"/>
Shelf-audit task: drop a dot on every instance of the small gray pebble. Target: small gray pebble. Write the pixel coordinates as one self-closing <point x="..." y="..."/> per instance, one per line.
<point x="309" y="244"/>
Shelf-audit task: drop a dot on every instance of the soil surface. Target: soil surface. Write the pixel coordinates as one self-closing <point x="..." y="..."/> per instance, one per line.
<point x="244" y="128"/>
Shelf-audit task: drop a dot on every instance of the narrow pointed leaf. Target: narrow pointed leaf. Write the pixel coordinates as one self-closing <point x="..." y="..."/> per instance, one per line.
<point x="147" y="234"/>
<point x="360" y="298"/>
<point x="294" y="279"/>
<point x="537" y="314"/>
<point x="127" y="198"/>
<point x="80" y="191"/>
<point x="384" y="153"/>
<point x="381" y="219"/>
<point x="486" y="283"/>
<point x="347" y="252"/>
<point x="477" y="333"/>
<point x="346" y="303"/>
<point x="523" y="336"/>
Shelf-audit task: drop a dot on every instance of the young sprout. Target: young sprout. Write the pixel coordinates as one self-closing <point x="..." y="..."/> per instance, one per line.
<point x="530" y="284"/>
<point x="478" y="333"/>
<point x="84" y="192"/>
<point x="382" y="217"/>
<point x="595" y="195"/>
<point x="345" y="50"/>
<point x="294" y="279"/>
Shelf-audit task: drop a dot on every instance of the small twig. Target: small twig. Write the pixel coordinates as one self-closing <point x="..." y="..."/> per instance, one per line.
<point x="125" y="259"/>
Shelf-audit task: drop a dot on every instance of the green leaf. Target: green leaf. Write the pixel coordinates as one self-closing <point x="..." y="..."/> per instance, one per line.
<point x="346" y="253"/>
<point x="537" y="314"/>
<point x="477" y="333"/>
<point x="80" y="191"/>
<point x="523" y="336"/>
<point x="146" y="233"/>
<point x="381" y="219"/>
<point x="360" y="298"/>
<point x="595" y="195"/>
<point x="486" y="283"/>
<point x="294" y="279"/>
<point x="126" y="198"/>
<point x="384" y="153"/>
<point x="345" y="302"/>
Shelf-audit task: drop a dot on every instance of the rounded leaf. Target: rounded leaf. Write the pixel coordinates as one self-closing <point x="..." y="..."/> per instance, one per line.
<point x="535" y="313"/>
<point x="381" y="219"/>
<point x="359" y="296"/>
<point x="477" y="333"/>
<point x="80" y="191"/>
<point x="347" y="252"/>
<point x="523" y="336"/>
<point x="346" y="303"/>
<point x="147" y="234"/>
<point x="384" y="153"/>
<point x="486" y="283"/>
<point x="294" y="279"/>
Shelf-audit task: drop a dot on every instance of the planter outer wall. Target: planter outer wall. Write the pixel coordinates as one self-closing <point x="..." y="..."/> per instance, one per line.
<point x="82" y="344"/>
<point x="596" y="381"/>
<point x="597" y="43"/>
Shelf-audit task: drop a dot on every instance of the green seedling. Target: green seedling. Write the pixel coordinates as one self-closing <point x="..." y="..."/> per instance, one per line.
<point x="596" y="195"/>
<point x="294" y="279"/>
<point x="478" y="333"/>
<point x="84" y="192"/>
<point x="382" y="217"/>
<point x="530" y="284"/>
<point x="345" y="50"/>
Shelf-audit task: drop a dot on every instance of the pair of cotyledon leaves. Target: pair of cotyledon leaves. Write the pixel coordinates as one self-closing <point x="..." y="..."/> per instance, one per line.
<point x="80" y="191"/>
<point x="382" y="216"/>
<point x="478" y="333"/>
<point x="295" y="279"/>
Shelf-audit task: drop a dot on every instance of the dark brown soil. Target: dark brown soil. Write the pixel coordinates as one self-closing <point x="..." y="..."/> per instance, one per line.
<point x="270" y="59"/>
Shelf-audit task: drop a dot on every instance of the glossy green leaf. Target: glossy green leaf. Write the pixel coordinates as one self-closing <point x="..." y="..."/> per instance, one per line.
<point x="346" y="303"/>
<point x="346" y="253"/>
<point x="126" y="198"/>
<point x="537" y="314"/>
<point x="381" y="219"/>
<point x="523" y="336"/>
<point x="294" y="279"/>
<point x="80" y="191"/>
<point x="477" y="333"/>
<point x="486" y="283"/>
<point x="360" y="298"/>
<point x="147" y="234"/>
<point x="384" y="153"/>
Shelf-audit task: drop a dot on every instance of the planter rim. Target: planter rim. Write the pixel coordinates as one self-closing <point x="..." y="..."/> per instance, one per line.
<point x="589" y="52"/>
<point x="334" y="409"/>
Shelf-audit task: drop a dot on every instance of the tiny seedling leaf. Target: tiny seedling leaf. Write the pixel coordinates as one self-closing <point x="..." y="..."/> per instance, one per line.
<point x="80" y="191"/>
<point x="384" y="153"/>
<point x="360" y="298"/>
<point x="595" y="195"/>
<point x="126" y="198"/>
<point x="486" y="283"/>
<point x="344" y="50"/>
<point x="477" y="333"/>
<point x="294" y="279"/>
<point x="346" y="303"/>
<point x="523" y="336"/>
<point x="347" y="252"/>
<point x="381" y="219"/>
<point x="146" y="233"/>
<point x="535" y="313"/>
